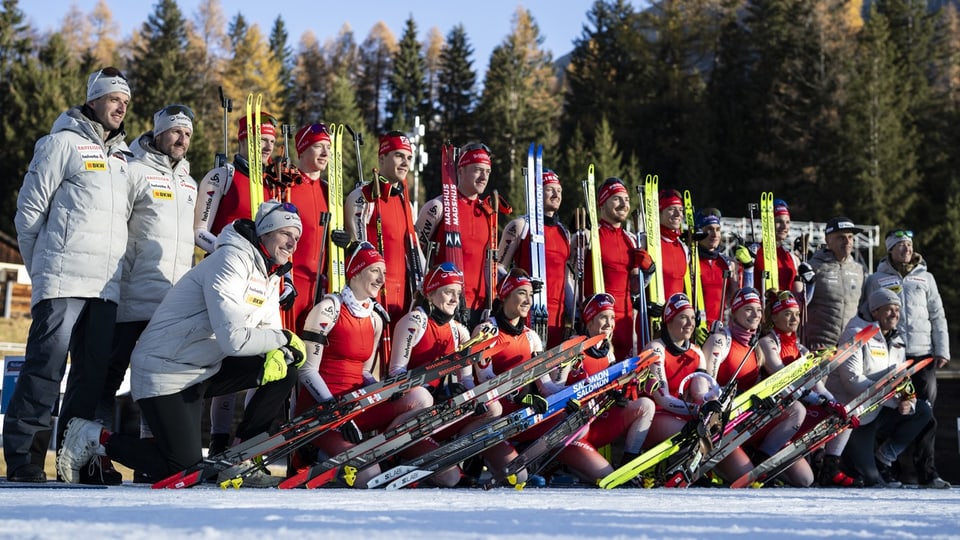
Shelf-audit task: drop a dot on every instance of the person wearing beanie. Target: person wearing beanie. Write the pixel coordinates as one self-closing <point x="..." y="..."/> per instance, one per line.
<point x="224" y="193"/>
<point x="787" y="262"/>
<point x="834" y="281"/>
<point x="476" y="219"/>
<point x="514" y="250"/>
<point x="674" y="254"/>
<point x="387" y="222"/>
<point x="901" y="418"/>
<point x="923" y="326"/>
<point x="430" y="331"/>
<point x="717" y="271"/>
<point x="733" y="356"/>
<point x="216" y="332"/>
<point x="71" y="223"/>
<point x="342" y="333"/>
<point x="159" y="246"/>
<point x="680" y="369"/>
<point x="628" y="420"/>
<point x="519" y="343"/>
<point x="621" y="260"/>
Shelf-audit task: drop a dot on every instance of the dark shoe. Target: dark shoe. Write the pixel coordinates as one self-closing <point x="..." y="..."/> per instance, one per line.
<point x="218" y="443"/>
<point x="100" y="472"/>
<point x="140" y="477"/>
<point x="936" y="483"/>
<point x="888" y="478"/>
<point x="832" y="476"/>
<point x="27" y="473"/>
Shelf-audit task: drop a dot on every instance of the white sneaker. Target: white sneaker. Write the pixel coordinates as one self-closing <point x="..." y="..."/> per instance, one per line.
<point x="936" y="483"/>
<point x="81" y="442"/>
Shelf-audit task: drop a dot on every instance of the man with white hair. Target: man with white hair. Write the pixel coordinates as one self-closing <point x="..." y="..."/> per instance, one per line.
<point x="71" y="225"/>
<point x="216" y="332"/>
<point x="159" y="248"/>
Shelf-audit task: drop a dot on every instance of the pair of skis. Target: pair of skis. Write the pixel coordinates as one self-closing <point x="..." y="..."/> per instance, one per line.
<point x="235" y="461"/>
<point x="895" y="383"/>
<point x="254" y="153"/>
<point x="336" y="269"/>
<point x="347" y="464"/>
<point x="538" y="264"/>
<point x="768" y="236"/>
<point x="684" y="457"/>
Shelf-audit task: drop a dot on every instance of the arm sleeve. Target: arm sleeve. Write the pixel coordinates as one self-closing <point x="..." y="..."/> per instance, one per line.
<point x="209" y="193"/>
<point x="407" y="333"/>
<point x="321" y="320"/>
<point x="939" y="332"/>
<point x="43" y="178"/>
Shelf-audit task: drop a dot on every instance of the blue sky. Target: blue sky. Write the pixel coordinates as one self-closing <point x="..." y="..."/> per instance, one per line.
<point x="487" y="22"/>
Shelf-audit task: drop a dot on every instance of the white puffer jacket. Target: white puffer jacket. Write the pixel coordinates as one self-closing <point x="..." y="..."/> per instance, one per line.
<point x="160" y="243"/>
<point x="72" y="211"/>
<point x="225" y="306"/>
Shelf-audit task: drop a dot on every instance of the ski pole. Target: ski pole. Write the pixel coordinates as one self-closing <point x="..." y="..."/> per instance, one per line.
<point x="358" y="142"/>
<point x="221" y="159"/>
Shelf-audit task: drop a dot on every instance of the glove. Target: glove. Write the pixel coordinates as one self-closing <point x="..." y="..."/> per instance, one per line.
<point x="642" y="260"/>
<point x="648" y="385"/>
<point x="835" y="408"/>
<point x="295" y="349"/>
<point x="329" y="405"/>
<point x="806" y="273"/>
<point x="745" y="255"/>
<point x="654" y="309"/>
<point x="274" y="366"/>
<point x="572" y="406"/>
<point x="351" y="433"/>
<point x="444" y="392"/>
<point x="700" y="335"/>
<point x="289" y="293"/>
<point x="617" y="395"/>
<point x="710" y="407"/>
<point x="340" y="238"/>
<point x="537" y="402"/>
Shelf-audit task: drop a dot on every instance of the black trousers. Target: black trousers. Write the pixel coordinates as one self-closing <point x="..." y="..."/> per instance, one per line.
<point x="175" y="419"/>
<point x="922" y="449"/>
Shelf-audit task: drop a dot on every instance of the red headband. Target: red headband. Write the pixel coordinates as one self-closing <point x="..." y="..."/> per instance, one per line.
<point x="440" y="276"/>
<point x="478" y="155"/>
<point x="675" y="304"/>
<point x="744" y="297"/>
<point x="668" y="198"/>
<point x="781" y="210"/>
<point x="389" y="143"/>
<point x="365" y="256"/>
<point x="550" y="177"/>
<point x="512" y="283"/>
<point x="266" y="128"/>
<point x="308" y="135"/>
<point x="781" y="305"/>
<point x="595" y="305"/>
<point x="609" y="190"/>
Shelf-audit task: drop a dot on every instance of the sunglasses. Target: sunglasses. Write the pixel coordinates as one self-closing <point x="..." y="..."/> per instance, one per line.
<point x="313" y="129"/>
<point x="475" y="146"/>
<point x="175" y="109"/>
<point x="286" y="206"/>
<point x="780" y="202"/>
<point x="902" y="234"/>
<point x="108" y="72"/>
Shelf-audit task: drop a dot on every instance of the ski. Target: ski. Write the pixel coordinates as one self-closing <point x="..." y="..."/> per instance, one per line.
<point x="643" y="319"/>
<point x="486" y="436"/>
<point x="254" y="155"/>
<point x="768" y="237"/>
<point x="538" y="270"/>
<point x="682" y="458"/>
<point x="346" y="464"/>
<point x="831" y="426"/>
<point x="694" y="284"/>
<point x="452" y="246"/>
<point x="319" y="419"/>
<point x="651" y="203"/>
<point x="337" y="265"/>
<point x="593" y="223"/>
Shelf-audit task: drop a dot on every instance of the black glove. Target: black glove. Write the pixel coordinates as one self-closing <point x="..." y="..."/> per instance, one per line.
<point x="806" y="273"/>
<point x="340" y="238"/>
<point x="444" y="392"/>
<point x="617" y="395"/>
<point x="351" y="433"/>
<point x="572" y="406"/>
<point x="654" y="309"/>
<point x="535" y="401"/>
<point x="289" y="293"/>
<point x="710" y="407"/>
<point x="329" y="405"/>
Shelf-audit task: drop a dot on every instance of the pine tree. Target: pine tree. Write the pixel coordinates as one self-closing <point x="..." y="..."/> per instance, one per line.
<point x="606" y="154"/>
<point x="407" y="83"/>
<point x="283" y="55"/>
<point x="252" y="69"/>
<point x="311" y="84"/>
<point x="376" y="61"/>
<point x="340" y="107"/>
<point x="160" y="72"/>
<point x="519" y="104"/>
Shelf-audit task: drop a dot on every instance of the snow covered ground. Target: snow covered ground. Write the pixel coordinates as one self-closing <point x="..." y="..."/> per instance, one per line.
<point x="773" y="513"/>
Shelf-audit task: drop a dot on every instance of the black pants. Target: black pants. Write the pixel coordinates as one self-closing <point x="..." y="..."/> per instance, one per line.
<point x="925" y="382"/>
<point x="175" y="419"/>
<point x="125" y="337"/>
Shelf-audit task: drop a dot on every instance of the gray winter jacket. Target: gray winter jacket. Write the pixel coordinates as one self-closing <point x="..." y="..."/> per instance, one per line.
<point x="72" y="211"/>
<point x="227" y="305"/>
<point x="160" y="243"/>
<point x="833" y="299"/>
<point x="923" y="323"/>
<point x="868" y="364"/>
